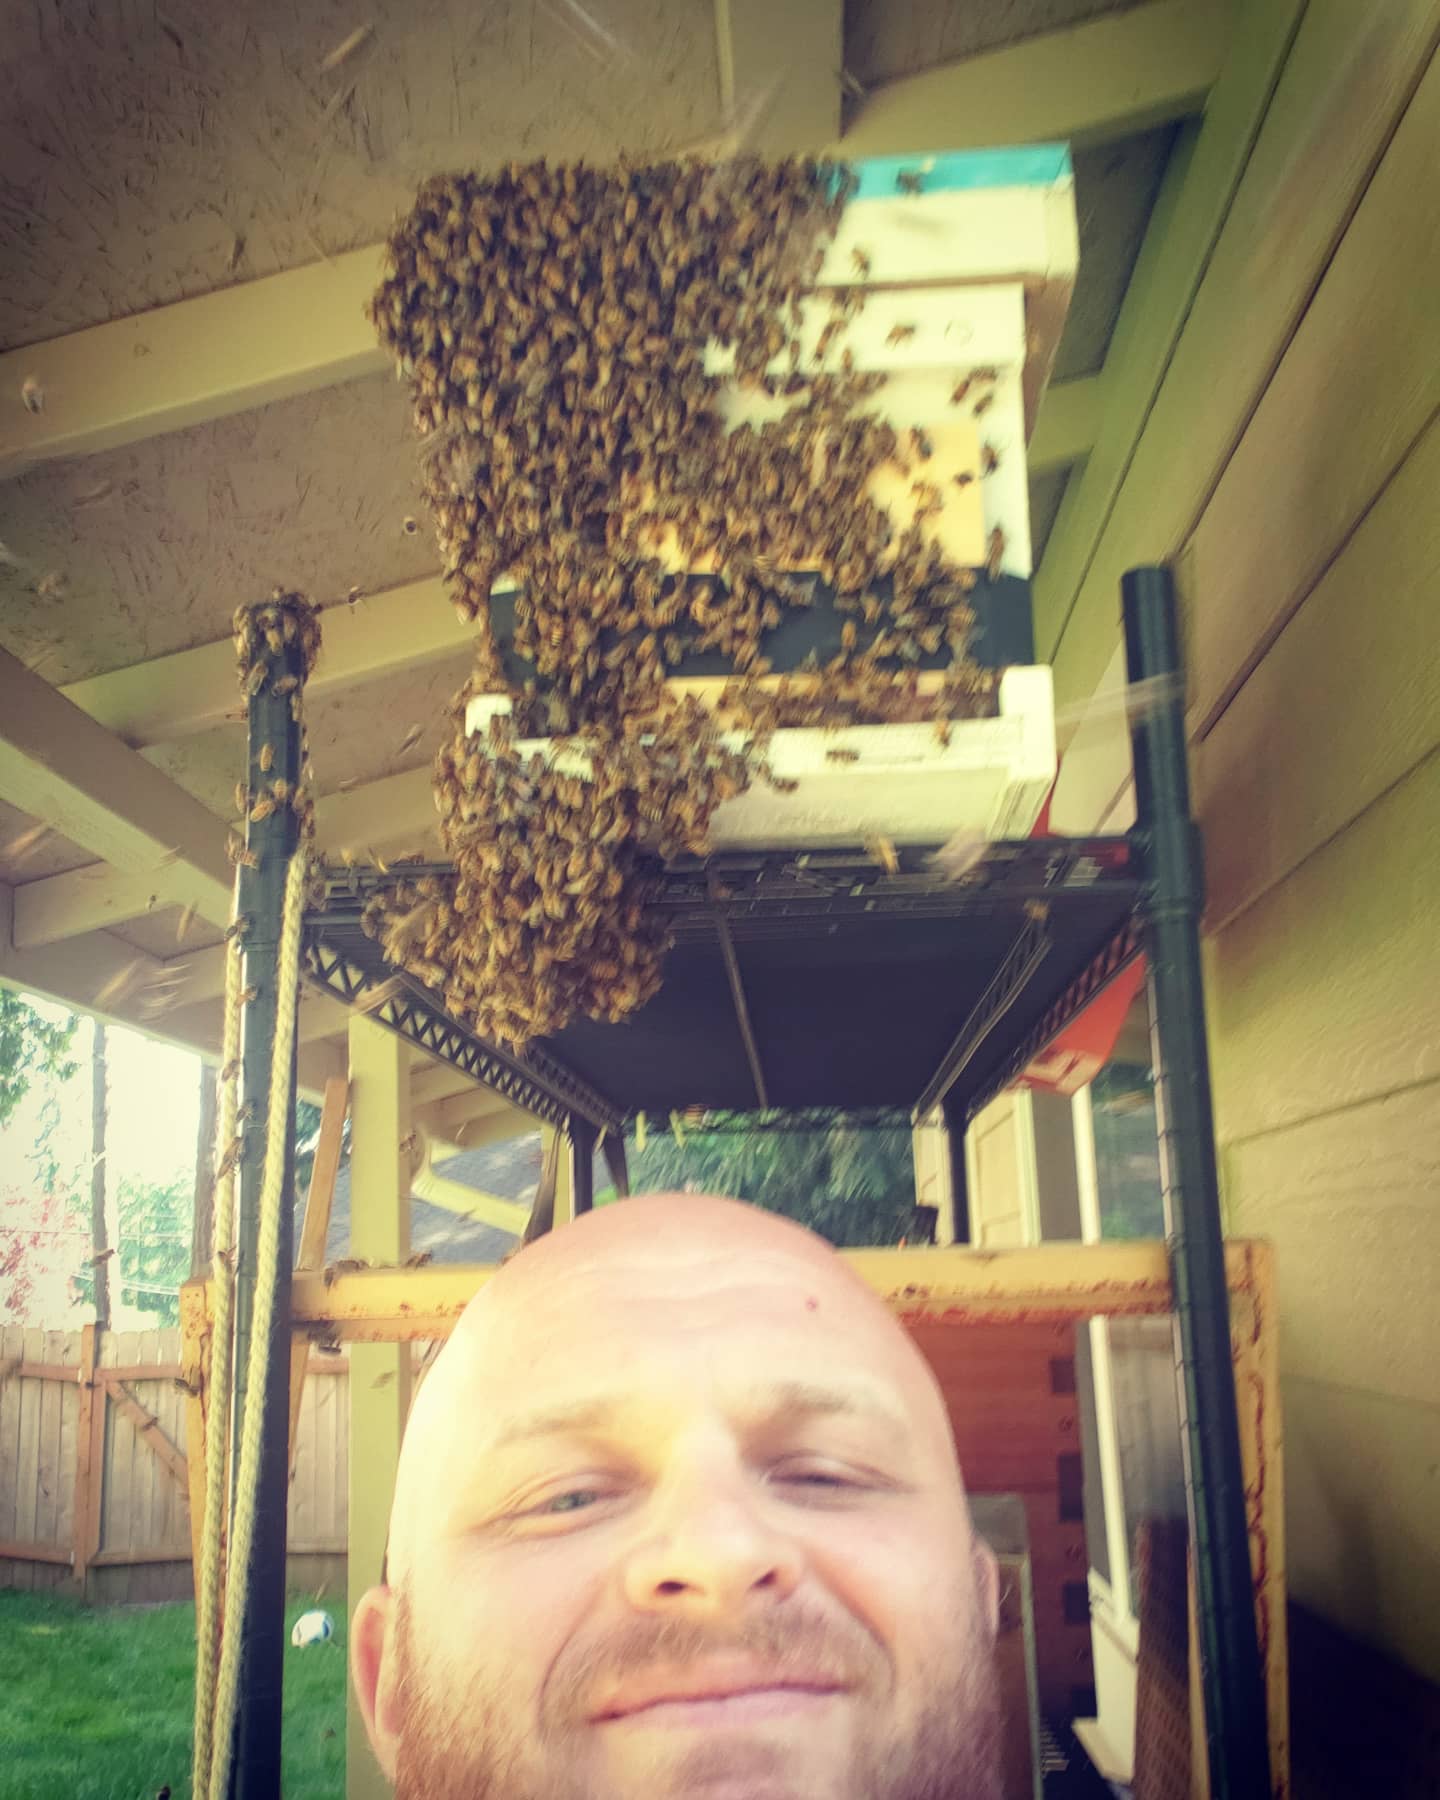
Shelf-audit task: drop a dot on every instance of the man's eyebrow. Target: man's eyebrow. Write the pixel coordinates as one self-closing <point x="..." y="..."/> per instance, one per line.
<point x="779" y="1399"/>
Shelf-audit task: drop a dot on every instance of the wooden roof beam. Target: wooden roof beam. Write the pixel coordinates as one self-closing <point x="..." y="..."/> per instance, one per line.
<point x="1090" y="82"/>
<point x="1249" y="216"/>
<point x="59" y="765"/>
<point x="192" y="690"/>
<point x="1065" y="432"/>
<point x="85" y="973"/>
<point x="304" y="329"/>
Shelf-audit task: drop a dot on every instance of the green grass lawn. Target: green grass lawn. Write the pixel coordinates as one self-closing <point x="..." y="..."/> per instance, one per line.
<point x="97" y="1704"/>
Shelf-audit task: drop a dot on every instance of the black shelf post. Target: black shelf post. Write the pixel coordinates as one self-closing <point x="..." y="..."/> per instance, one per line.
<point x="272" y="841"/>
<point x="1167" y="844"/>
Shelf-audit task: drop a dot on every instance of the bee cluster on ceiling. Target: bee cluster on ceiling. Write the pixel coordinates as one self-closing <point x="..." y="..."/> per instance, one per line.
<point x="553" y="323"/>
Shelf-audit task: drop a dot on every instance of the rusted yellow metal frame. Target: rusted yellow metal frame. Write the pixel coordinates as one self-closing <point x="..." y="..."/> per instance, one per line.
<point x="1049" y="1283"/>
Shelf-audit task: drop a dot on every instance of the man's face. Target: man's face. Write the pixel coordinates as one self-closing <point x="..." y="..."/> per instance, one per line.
<point x="696" y="1530"/>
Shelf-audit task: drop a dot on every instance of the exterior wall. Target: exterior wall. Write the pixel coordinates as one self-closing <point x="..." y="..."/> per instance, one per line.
<point x="1311" y="583"/>
<point x="1309" y="577"/>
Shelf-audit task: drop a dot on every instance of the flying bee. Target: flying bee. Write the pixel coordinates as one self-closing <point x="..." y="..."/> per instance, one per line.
<point x="900" y="334"/>
<point x="964" y="478"/>
<point x="994" y="551"/>
<point x="989" y="459"/>
<point x="883" y="851"/>
<point x="983" y="405"/>
<point x="860" y="262"/>
<point x="910" y="181"/>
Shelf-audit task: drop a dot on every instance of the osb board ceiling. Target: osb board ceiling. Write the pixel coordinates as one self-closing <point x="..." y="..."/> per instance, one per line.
<point x="884" y="41"/>
<point x="155" y="545"/>
<point x="139" y="144"/>
<point x="359" y="734"/>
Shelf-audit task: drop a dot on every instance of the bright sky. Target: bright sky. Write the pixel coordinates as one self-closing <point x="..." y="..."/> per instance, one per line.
<point x="154" y="1109"/>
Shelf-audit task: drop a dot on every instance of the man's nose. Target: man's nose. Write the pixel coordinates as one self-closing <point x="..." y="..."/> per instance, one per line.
<point x="709" y="1543"/>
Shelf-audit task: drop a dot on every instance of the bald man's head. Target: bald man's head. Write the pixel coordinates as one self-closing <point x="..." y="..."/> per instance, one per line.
<point x="766" y="1472"/>
<point x="571" y="1293"/>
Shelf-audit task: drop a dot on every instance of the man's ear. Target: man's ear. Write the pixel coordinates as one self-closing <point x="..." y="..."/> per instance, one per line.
<point x="374" y="1668"/>
<point x="987" y="1585"/>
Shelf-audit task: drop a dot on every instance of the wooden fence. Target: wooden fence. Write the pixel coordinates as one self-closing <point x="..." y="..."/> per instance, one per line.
<point x="93" y="1478"/>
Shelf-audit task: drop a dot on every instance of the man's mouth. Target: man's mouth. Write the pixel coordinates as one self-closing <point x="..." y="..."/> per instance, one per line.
<point x="730" y="1691"/>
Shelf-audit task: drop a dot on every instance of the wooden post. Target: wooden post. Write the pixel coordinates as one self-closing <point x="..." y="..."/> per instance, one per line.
<point x="1255" y="1349"/>
<point x="194" y="1361"/>
<point x="315" y="1229"/>
<point x="89" y="1458"/>
<point x="379" y="1373"/>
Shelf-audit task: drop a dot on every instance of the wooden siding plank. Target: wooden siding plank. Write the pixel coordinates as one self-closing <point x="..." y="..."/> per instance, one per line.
<point x="118" y="1531"/>
<point x="1374" y="1573"/>
<point x="12" y="1351"/>
<point x="1095" y="80"/>
<point x="1342" y="85"/>
<point x="52" y="1472"/>
<point x="1348" y="1201"/>
<point x="1356" y="387"/>
<point x="69" y="1442"/>
<point x="27" y="1460"/>
<point x="1346" y="701"/>
<point x="1323" y="994"/>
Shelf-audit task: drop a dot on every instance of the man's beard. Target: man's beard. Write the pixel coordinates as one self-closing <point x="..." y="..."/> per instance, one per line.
<point x="473" y="1745"/>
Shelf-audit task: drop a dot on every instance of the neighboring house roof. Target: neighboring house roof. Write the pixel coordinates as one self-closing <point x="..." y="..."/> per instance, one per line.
<point x="510" y="1171"/>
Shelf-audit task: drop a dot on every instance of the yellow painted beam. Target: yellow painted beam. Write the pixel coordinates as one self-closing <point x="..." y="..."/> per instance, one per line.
<point x="191" y="690"/>
<point x="102" y="976"/>
<point x="438" y="1081"/>
<point x="1069" y="421"/>
<point x="779" y="69"/>
<point x="954" y="1286"/>
<point x="473" y="1120"/>
<point x="1091" y="81"/>
<point x="58" y="765"/>
<point x="470" y="1203"/>
<point x="380" y="1373"/>
<point x="195" y="360"/>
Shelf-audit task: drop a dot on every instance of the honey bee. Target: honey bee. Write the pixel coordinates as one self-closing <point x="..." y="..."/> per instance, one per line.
<point x="989" y="459"/>
<point x="860" y="262"/>
<point x="882" y="851"/>
<point x="910" y="181"/>
<point x="982" y="405"/>
<point x="964" y="478"/>
<point x="842" y="755"/>
<point x="995" y="550"/>
<point x="900" y="334"/>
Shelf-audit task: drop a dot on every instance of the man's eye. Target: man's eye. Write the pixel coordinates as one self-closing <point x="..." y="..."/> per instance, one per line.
<point x="552" y="1508"/>
<point x="822" y="1478"/>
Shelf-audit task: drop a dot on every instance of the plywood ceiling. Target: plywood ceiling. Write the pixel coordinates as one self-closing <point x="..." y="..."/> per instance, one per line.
<point x="139" y="144"/>
<point x="150" y="153"/>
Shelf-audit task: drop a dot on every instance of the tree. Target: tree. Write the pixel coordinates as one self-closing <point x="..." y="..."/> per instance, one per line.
<point x="202" y="1229"/>
<point x="153" y="1258"/>
<point x="99" y="1236"/>
<point x="30" y="1045"/>
<point x="852" y="1186"/>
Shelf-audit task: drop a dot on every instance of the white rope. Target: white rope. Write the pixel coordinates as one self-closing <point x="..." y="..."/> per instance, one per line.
<point x="217" y="1378"/>
<point x="247" y="1486"/>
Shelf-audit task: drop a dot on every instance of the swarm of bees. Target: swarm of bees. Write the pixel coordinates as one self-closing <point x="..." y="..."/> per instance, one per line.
<point x="553" y="323"/>
<point x="261" y="636"/>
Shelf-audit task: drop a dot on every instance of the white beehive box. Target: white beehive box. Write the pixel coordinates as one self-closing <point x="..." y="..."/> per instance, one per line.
<point x="967" y="284"/>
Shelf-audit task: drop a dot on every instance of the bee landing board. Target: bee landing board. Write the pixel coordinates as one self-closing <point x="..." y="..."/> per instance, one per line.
<point x="893" y="781"/>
